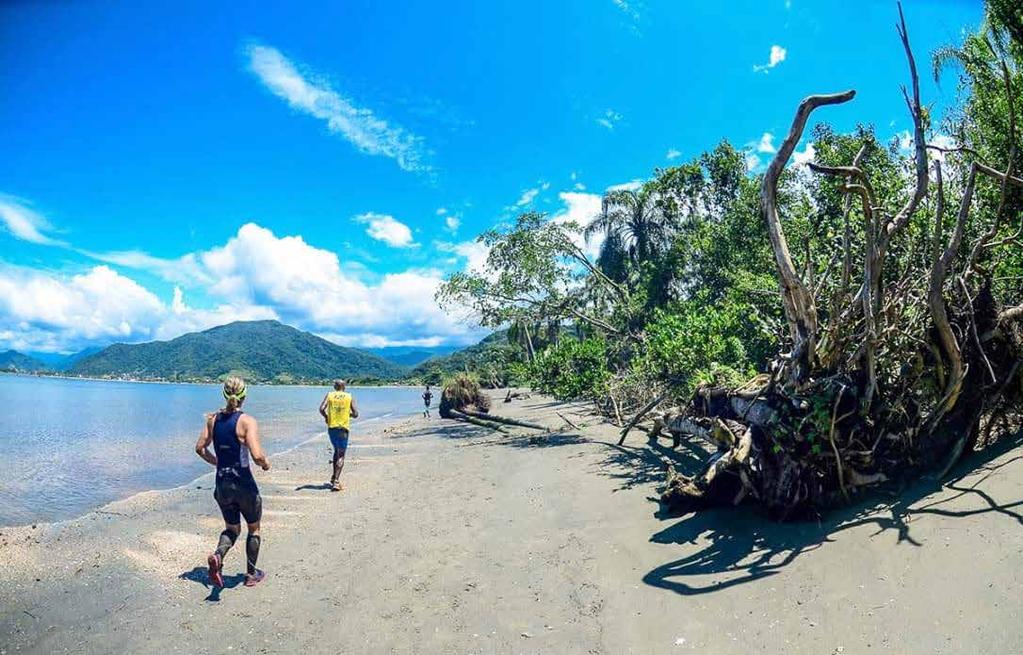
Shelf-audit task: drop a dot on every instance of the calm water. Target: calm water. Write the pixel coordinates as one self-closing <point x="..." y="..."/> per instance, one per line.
<point x="69" y="446"/>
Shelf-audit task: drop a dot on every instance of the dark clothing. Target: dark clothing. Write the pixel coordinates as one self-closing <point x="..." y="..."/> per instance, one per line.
<point x="236" y="491"/>
<point x="338" y="439"/>
<point x="427" y="397"/>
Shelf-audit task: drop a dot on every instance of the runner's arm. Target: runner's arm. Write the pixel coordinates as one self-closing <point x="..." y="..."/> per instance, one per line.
<point x="251" y="432"/>
<point x="323" y="408"/>
<point x="355" y="410"/>
<point x="202" y="446"/>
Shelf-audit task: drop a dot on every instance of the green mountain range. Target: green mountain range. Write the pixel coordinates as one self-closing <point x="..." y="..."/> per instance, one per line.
<point x="12" y="360"/>
<point x="260" y="351"/>
<point x="493" y="350"/>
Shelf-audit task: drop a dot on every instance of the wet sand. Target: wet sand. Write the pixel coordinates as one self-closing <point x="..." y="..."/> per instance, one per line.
<point x="454" y="539"/>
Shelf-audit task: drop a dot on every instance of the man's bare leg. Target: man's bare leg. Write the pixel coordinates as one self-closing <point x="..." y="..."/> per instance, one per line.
<point x="339" y="463"/>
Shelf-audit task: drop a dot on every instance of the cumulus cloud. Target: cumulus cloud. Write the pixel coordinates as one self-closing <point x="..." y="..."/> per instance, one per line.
<point x="24" y="223"/>
<point x="254" y="275"/>
<point x="452" y="222"/>
<point x="358" y="125"/>
<point x="776" y="57"/>
<point x="807" y="154"/>
<point x="581" y="209"/>
<point x="388" y="229"/>
<point x="673" y="154"/>
<point x="39" y="310"/>
<point x="766" y="144"/>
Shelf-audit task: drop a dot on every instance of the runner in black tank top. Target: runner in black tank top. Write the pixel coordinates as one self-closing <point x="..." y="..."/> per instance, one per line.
<point x="235" y="439"/>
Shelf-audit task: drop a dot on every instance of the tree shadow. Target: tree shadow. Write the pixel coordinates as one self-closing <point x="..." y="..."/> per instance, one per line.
<point x="745" y="546"/>
<point x="647" y="464"/>
<point x="201" y="575"/>
<point x="544" y="440"/>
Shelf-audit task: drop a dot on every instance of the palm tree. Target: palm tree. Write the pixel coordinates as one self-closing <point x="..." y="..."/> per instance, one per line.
<point x="632" y="225"/>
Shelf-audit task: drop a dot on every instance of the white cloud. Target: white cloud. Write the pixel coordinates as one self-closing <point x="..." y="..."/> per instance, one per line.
<point x="452" y="222"/>
<point x="473" y="254"/>
<point x="806" y="155"/>
<point x="40" y="310"/>
<point x="359" y="125"/>
<point x="609" y="119"/>
<point x="752" y="162"/>
<point x="25" y="223"/>
<point x="634" y="185"/>
<point x="766" y="144"/>
<point x="776" y="57"/>
<point x="441" y="211"/>
<point x="183" y="270"/>
<point x="581" y="209"/>
<point x="387" y="229"/>
<point x="673" y="154"/>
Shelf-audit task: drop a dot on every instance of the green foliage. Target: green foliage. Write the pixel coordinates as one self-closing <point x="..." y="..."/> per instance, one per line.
<point x="573" y="369"/>
<point x="698" y="343"/>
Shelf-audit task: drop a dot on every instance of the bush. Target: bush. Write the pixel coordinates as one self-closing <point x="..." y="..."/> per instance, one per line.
<point x="698" y="344"/>
<point x="573" y="369"/>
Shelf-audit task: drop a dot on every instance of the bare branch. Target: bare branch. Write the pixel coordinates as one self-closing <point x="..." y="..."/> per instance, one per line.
<point x="799" y="305"/>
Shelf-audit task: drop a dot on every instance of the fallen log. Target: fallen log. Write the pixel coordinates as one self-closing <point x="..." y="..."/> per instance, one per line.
<point x="502" y="419"/>
<point x="461" y="416"/>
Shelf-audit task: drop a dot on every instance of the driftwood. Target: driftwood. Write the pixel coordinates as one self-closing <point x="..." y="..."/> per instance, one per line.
<point x="502" y="419"/>
<point x="462" y="416"/>
<point x="897" y="376"/>
<point x="640" y="414"/>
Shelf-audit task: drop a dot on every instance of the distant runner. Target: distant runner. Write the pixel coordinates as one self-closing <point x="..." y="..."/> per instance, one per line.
<point x="337" y="409"/>
<point x="427" y="397"/>
<point x="235" y="438"/>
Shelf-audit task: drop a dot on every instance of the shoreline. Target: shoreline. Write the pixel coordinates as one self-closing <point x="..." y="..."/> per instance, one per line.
<point x="7" y="527"/>
<point x="327" y="383"/>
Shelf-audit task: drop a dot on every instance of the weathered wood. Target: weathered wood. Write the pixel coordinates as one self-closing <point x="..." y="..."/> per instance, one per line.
<point x="503" y="419"/>
<point x="461" y="416"/>
<point x="640" y="414"/>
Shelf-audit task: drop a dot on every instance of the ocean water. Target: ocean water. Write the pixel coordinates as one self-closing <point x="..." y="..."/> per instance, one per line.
<point x="70" y="446"/>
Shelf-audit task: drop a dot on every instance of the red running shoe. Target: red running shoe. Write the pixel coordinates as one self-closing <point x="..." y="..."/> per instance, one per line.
<point x="215" y="566"/>
<point x="253" y="579"/>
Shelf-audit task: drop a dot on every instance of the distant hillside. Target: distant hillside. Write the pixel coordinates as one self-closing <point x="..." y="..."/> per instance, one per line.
<point x="265" y="351"/>
<point x="411" y="355"/>
<point x="12" y="360"/>
<point x="493" y="352"/>
<point x="59" y="362"/>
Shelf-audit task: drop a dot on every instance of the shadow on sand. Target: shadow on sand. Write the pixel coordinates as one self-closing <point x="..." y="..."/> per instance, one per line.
<point x="745" y="546"/>
<point x="201" y="575"/>
<point x="323" y="486"/>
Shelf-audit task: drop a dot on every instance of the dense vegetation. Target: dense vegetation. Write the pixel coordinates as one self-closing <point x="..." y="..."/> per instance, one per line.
<point x="876" y="291"/>
<point x="495" y="361"/>
<point x="260" y="351"/>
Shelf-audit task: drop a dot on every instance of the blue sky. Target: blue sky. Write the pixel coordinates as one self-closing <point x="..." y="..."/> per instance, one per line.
<point x="168" y="168"/>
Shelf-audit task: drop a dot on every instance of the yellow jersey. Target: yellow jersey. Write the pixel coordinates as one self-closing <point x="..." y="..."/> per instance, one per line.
<point x="339" y="409"/>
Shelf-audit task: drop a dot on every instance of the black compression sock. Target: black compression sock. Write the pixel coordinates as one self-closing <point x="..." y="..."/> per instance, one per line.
<point x="227" y="539"/>
<point x="252" y="552"/>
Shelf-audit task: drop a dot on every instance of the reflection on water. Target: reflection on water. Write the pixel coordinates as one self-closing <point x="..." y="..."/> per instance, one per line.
<point x="69" y="446"/>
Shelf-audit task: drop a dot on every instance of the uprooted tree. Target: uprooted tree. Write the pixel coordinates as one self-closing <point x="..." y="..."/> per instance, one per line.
<point x="904" y="353"/>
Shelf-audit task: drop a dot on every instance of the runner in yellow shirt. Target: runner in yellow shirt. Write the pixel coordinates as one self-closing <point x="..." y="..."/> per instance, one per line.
<point x="338" y="409"/>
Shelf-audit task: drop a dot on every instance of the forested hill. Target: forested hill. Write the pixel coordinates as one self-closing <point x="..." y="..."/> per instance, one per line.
<point x="12" y="360"/>
<point x="490" y="353"/>
<point x="260" y="351"/>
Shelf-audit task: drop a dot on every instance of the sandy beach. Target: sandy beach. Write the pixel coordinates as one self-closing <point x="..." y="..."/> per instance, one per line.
<point x="455" y="539"/>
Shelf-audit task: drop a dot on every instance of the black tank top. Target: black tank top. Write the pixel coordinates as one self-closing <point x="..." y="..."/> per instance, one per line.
<point x="232" y="454"/>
